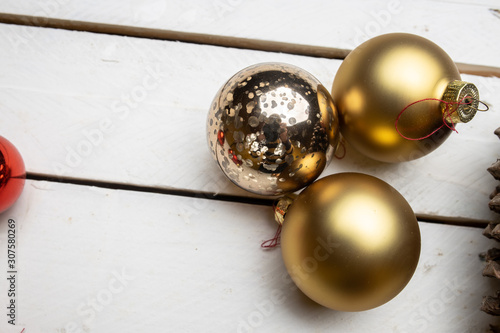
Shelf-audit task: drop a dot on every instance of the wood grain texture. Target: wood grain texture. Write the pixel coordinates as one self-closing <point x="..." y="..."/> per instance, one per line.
<point x="206" y="39"/>
<point x="129" y="110"/>
<point x="468" y="30"/>
<point x="103" y="260"/>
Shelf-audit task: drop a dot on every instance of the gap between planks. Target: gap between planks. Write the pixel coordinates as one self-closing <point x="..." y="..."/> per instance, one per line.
<point x="447" y="220"/>
<point x="207" y="39"/>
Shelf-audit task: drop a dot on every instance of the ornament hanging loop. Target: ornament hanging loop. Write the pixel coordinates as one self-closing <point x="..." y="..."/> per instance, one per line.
<point x="446" y="119"/>
<point x="342" y="145"/>
<point x="273" y="242"/>
<point x="487" y="107"/>
<point x="459" y="104"/>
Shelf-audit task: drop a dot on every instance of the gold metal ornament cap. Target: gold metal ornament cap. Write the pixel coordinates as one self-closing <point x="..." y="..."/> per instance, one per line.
<point x="281" y="207"/>
<point x="462" y="102"/>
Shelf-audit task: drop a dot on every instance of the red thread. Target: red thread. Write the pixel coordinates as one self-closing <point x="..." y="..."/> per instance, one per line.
<point x="273" y="242"/>
<point x="446" y="114"/>
<point x="23" y="330"/>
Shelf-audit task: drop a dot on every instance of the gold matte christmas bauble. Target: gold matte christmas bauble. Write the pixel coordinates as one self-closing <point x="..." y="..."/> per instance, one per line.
<point x="381" y="77"/>
<point x="350" y="242"/>
<point x="272" y="128"/>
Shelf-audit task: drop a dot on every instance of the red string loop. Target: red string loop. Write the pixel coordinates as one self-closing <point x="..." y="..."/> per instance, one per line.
<point x="446" y="115"/>
<point x="273" y="242"/>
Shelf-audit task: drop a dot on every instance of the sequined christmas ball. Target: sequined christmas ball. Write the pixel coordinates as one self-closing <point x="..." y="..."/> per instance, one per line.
<point x="272" y="128"/>
<point x="12" y="174"/>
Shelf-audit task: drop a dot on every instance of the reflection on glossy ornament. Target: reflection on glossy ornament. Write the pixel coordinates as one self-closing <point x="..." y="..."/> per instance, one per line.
<point x="272" y="128"/>
<point x="12" y="174"/>
<point x="384" y="75"/>
<point x="350" y="242"/>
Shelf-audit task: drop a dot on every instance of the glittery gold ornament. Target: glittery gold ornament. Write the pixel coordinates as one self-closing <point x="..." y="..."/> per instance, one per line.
<point x="350" y="242"/>
<point x="272" y="128"/>
<point x="386" y="74"/>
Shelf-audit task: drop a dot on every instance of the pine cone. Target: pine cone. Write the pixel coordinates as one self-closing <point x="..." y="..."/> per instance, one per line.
<point x="494" y="328"/>
<point x="495" y="192"/>
<point x="495" y="203"/>
<point x="494" y="169"/>
<point x="491" y="304"/>
<point x="492" y="231"/>
<point x="497" y="132"/>
<point x="492" y="254"/>
<point x="492" y="269"/>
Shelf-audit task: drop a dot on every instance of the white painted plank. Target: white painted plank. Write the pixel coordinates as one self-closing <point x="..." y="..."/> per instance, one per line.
<point x="94" y="260"/>
<point x="468" y="30"/>
<point x="66" y="105"/>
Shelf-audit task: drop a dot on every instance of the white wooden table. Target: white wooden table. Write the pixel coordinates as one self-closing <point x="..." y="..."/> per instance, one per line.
<point x="117" y="228"/>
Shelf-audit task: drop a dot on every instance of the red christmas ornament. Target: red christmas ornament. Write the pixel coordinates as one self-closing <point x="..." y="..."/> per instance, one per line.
<point x="12" y="174"/>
